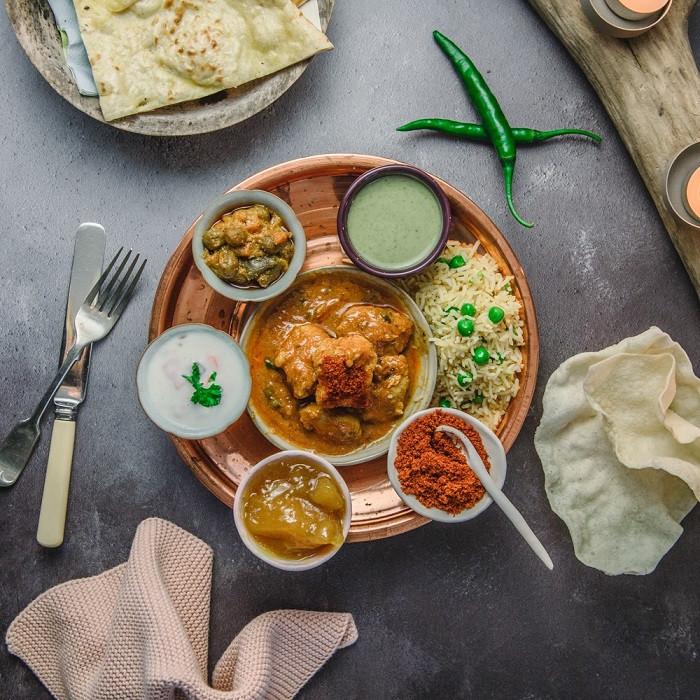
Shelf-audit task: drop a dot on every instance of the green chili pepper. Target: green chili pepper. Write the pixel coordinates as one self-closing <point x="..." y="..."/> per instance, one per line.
<point x="476" y="132"/>
<point x="269" y="393"/>
<point x="465" y="378"/>
<point x="468" y="309"/>
<point x="465" y="327"/>
<point x="457" y="261"/>
<point x="443" y="260"/>
<point x="481" y="355"/>
<point x="270" y="364"/>
<point x="478" y="398"/>
<point x="499" y="358"/>
<point x="449" y="309"/>
<point x="495" y="123"/>
<point x="445" y="403"/>
<point x="496" y="314"/>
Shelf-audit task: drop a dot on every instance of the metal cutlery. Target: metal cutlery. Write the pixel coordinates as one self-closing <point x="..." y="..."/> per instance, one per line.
<point x="85" y="271"/>
<point x="96" y="317"/>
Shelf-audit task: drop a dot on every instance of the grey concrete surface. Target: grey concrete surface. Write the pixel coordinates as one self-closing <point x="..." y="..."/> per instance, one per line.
<point x="444" y="611"/>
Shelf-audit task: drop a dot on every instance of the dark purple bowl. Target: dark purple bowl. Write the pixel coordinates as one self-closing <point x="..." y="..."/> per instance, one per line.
<point x="375" y="174"/>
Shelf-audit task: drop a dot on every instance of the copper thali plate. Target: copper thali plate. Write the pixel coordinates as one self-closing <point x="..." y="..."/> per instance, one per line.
<point x="314" y="188"/>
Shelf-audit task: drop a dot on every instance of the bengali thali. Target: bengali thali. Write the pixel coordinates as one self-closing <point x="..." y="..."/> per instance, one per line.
<point x="314" y="188"/>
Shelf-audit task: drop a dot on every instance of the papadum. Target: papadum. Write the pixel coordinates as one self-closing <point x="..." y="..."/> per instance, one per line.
<point x="619" y="442"/>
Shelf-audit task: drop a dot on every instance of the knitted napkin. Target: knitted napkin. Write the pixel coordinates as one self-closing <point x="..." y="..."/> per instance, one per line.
<point x="141" y="630"/>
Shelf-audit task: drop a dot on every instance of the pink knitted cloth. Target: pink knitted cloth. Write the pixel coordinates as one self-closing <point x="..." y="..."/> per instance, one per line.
<point x="141" y="630"/>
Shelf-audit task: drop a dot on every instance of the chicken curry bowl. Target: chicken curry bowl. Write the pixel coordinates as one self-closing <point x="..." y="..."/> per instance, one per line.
<point x="337" y="361"/>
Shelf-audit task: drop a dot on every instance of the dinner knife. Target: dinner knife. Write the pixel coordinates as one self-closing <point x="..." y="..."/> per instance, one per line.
<point x="88" y="256"/>
<point x="74" y="49"/>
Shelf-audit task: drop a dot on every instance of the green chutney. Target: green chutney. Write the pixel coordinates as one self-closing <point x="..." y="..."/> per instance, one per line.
<point x="394" y="222"/>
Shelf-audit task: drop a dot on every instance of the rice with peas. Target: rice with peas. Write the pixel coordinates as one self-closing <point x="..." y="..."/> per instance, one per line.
<point x="440" y="292"/>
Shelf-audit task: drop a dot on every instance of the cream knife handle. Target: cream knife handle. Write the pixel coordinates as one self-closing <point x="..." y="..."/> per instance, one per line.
<point x="54" y="502"/>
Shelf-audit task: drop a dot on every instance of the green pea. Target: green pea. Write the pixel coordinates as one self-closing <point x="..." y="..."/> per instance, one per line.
<point x="468" y="309"/>
<point x="465" y="327"/>
<point x="457" y="261"/>
<point x="480" y="355"/>
<point x="496" y="314"/>
<point x="465" y="378"/>
<point x="445" y="403"/>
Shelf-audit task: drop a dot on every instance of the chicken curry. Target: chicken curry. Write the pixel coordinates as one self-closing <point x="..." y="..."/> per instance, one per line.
<point x="334" y="363"/>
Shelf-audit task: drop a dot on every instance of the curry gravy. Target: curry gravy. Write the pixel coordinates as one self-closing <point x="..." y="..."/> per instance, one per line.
<point x="319" y="298"/>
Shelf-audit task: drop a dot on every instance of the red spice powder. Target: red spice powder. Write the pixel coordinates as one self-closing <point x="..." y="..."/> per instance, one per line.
<point x="343" y="385"/>
<point x="432" y="468"/>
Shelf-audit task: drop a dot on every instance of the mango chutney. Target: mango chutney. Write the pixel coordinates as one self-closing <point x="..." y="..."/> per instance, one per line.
<point x="294" y="509"/>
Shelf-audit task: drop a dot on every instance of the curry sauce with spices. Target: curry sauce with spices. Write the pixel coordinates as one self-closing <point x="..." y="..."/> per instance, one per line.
<point x="334" y="362"/>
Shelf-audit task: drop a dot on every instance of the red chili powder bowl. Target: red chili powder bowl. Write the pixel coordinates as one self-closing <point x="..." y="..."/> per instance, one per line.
<point x="433" y="469"/>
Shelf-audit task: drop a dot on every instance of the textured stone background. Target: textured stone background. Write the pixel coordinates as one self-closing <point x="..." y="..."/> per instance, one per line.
<point x="444" y="611"/>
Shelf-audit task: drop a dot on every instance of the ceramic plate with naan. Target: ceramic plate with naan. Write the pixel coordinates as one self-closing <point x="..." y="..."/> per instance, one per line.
<point x="147" y="54"/>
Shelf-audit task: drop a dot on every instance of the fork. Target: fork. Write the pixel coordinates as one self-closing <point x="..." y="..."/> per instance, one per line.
<point x="96" y="317"/>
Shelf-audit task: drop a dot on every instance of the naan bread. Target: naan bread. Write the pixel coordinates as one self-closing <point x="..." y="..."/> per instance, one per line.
<point x="619" y="442"/>
<point x="147" y="54"/>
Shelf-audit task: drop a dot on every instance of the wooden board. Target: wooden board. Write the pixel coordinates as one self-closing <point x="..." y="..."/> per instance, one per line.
<point x="314" y="187"/>
<point x="650" y="87"/>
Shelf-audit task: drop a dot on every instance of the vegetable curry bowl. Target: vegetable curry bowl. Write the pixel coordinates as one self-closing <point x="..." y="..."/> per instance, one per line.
<point x="248" y="245"/>
<point x="337" y="362"/>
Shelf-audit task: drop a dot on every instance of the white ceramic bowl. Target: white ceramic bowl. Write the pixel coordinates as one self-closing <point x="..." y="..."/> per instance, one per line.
<point x="249" y="540"/>
<point x="419" y="399"/>
<point x="496" y="454"/>
<point x="226" y="203"/>
<point x="242" y="384"/>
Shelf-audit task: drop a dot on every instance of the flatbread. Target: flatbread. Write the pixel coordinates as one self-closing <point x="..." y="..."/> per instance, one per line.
<point x="147" y="54"/>
<point x="634" y="394"/>
<point x="617" y="448"/>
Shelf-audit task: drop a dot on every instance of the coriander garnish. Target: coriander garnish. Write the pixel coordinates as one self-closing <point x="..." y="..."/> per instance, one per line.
<point x="204" y="396"/>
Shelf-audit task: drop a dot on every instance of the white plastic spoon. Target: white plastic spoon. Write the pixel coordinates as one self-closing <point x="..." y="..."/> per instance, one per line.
<point x="511" y="512"/>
